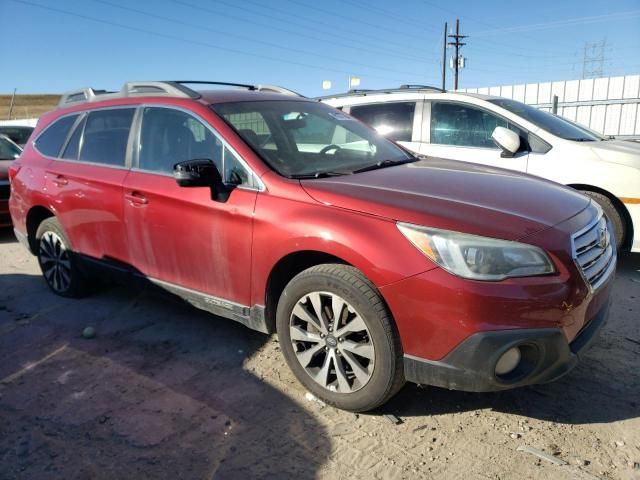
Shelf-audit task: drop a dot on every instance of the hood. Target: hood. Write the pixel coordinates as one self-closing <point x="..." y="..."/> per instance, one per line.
<point x="623" y="152"/>
<point x="453" y="195"/>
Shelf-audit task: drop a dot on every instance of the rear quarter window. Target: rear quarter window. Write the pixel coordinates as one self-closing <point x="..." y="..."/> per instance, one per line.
<point x="51" y="140"/>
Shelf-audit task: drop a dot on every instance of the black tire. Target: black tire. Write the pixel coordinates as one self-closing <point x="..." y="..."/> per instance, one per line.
<point x="350" y="285"/>
<point x="612" y="213"/>
<point x="57" y="262"/>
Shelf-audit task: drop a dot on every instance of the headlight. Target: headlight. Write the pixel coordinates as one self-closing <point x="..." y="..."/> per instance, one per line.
<point x="478" y="258"/>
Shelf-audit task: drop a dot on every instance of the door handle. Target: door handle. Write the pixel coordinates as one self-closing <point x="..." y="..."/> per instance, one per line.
<point x="136" y="198"/>
<point x="60" y="180"/>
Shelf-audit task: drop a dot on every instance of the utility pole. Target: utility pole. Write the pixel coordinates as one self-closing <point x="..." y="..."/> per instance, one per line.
<point x="593" y="61"/>
<point x="444" y="58"/>
<point x="458" y="44"/>
<point x="13" y="98"/>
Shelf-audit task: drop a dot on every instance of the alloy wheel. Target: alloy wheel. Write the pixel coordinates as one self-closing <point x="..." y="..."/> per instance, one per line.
<point x="331" y="342"/>
<point x="55" y="261"/>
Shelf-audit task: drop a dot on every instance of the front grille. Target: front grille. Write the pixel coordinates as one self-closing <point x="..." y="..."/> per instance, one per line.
<point x="594" y="253"/>
<point x="5" y="189"/>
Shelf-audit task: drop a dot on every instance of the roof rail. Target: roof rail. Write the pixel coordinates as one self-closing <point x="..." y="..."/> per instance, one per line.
<point x="420" y="87"/>
<point x="204" y="82"/>
<point x="277" y="89"/>
<point x="129" y="89"/>
<point x="170" y="88"/>
<point x="365" y="92"/>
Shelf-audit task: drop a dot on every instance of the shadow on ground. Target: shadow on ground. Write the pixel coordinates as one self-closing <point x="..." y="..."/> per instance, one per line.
<point x="7" y="236"/>
<point x="603" y="388"/>
<point x="159" y="393"/>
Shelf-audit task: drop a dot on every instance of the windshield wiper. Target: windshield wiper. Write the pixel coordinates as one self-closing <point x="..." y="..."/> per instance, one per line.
<point x="318" y="175"/>
<point x="384" y="164"/>
<point x="581" y="139"/>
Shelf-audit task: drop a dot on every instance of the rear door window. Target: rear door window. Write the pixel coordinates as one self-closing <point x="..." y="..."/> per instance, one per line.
<point x="106" y="134"/>
<point x="51" y="140"/>
<point x="393" y="120"/>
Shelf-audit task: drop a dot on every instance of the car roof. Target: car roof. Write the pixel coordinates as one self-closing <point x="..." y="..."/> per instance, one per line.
<point x="394" y="94"/>
<point x="14" y="127"/>
<point x="183" y="89"/>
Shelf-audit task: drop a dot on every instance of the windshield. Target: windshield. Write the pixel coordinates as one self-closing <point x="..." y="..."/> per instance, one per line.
<point x="303" y="139"/>
<point x="8" y="150"/>
<point x="553" y="124"/>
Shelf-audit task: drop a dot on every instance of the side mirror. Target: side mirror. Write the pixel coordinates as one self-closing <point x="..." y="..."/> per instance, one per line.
<point x="201" y="172"/>
<point x="507" y="140"/>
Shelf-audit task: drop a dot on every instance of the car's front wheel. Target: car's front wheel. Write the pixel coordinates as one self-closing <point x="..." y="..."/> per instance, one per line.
<point x="612" y="213"/>
<point x="339" y="339"/>
<point x="58" y="265"/>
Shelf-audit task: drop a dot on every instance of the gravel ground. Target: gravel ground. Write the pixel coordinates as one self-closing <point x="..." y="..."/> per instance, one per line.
<point x="167" y="391"/>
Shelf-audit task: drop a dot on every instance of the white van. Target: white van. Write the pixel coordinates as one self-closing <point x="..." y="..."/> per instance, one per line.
<point x="469" y="127"/>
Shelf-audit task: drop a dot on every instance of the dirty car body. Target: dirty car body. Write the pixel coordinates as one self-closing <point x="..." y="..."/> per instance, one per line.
<point x="373" y="266"/>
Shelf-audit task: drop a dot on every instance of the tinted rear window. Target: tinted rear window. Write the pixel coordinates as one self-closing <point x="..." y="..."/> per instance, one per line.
<point x="106" y="134"/>
<point x="51" y="140"/>
<point x="393" y="120"/>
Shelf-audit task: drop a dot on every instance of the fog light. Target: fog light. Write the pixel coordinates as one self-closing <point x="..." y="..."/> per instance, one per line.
<point x="508" y="361"/>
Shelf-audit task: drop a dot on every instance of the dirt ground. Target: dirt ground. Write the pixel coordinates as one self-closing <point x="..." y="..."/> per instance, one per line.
<point x="165" y="391"/>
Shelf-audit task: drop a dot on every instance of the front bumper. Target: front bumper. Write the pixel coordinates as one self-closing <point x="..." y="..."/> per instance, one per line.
<point x="634" y="213"/>
<point x="471" y="365"/>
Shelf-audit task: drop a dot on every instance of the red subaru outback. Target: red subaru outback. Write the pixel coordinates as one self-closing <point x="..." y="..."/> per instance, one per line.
<point x="373" y="266"/>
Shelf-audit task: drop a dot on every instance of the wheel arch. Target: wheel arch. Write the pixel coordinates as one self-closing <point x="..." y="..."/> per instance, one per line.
<point x="284" y="270"/>
<point x="35" y="217"/>
<point x="626" y="217"/>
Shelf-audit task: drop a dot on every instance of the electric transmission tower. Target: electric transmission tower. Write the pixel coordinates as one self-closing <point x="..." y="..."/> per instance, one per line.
<point x="593" y="62"/>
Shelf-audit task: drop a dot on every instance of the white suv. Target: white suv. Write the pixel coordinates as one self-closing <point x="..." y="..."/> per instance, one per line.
<point x="469" y="127"/>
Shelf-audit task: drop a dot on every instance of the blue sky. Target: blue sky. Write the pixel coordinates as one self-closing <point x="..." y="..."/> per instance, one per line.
<point x="64" y="44"/>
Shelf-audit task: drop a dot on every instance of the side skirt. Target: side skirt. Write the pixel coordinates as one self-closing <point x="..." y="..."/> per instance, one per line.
<point x="251" y="317"/>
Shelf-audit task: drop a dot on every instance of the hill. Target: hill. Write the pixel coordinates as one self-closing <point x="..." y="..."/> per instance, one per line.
<point x="27" y="106"/>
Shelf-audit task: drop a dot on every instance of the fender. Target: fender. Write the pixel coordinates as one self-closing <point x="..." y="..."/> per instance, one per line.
<point x="372" y="244"/>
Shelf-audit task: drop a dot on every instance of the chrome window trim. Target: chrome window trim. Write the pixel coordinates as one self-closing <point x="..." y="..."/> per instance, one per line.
<point x="80" y="113"/>
<point x="260" y="187"/>
<point x="92" y="164"/>
<point x="574" y="254"/>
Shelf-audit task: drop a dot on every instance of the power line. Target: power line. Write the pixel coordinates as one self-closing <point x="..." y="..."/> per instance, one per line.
<point x="313" y="21"/>
<point x="563" y="23"/>
<point x="358" y="45"/>
<point x="361" y="22"/>
<point x="193" y="42"/>
<point x="242" y="37"/>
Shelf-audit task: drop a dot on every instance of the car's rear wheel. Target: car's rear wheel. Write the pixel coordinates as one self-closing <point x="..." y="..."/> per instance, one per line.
<point x="338" y="337"/>
<point x="612" y="213"/>
<point x="57" y="262"/>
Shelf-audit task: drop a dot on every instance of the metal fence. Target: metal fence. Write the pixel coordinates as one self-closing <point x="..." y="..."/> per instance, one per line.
<point x="609" y="105"/>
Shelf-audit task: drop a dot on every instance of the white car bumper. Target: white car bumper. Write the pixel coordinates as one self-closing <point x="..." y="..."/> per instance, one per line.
<point x="634" y="211"/>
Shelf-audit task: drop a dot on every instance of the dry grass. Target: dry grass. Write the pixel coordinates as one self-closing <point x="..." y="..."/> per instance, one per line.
<point x="27" y="106"/>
